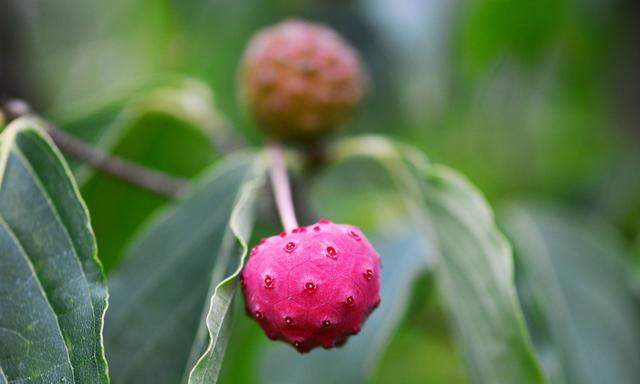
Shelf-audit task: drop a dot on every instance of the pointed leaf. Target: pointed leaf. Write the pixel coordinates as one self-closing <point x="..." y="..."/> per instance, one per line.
<point x="160" y="290"/>
<point x="207" y="368"/>
<point x="474" y="267"/>
<point x="476" y="277"/>
<point x="575" y="273"/>
<point x="52" y="291"/>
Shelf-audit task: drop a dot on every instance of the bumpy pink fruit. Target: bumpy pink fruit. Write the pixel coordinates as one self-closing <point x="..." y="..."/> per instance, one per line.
<point x="301" y="79"/>
<point x="314" y="286"/>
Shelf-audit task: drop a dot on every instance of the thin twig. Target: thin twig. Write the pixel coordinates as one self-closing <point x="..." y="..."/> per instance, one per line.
<point x="155" y="181"/>
<point x="140" y="176"/>
<point x="281" y="187"/>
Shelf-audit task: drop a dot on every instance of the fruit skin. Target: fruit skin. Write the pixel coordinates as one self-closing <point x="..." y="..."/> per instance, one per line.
<point x="314" y="286"/>
<point x="301" y="79"/>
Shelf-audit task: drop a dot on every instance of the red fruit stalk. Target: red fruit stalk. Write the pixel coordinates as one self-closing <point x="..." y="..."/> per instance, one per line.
<point x="301" y="79"/>
<point x="310" y="286"/>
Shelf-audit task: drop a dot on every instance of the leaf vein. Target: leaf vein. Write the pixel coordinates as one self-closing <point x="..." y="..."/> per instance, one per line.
<point x="22" y="251"/>
<point x="54" y="209"/>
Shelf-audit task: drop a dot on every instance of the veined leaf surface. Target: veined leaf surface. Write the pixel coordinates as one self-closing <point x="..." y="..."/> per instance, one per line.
<point x="474" y="263"/>
<point x="218" y="318"/>
<point x="476" y="279"/>
<point x="52" y="291"/>
<point x="160" y="290"/>
<point x="575" y="275"/>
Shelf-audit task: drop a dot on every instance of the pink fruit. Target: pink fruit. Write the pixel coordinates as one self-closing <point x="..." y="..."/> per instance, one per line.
<point x="301" y="79"/>
<point x="314" y="286"/>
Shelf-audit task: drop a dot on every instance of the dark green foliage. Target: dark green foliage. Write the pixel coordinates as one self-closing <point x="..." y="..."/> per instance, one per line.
<point x="52" y="291"/>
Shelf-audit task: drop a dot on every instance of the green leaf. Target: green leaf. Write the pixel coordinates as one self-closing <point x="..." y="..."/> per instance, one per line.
<point x="477" y="282"/>
<point x="105" y="121"/>
<point x="574" y="273"/>
<point x="160" y="290"/>
<point x="218" y="319"/>
<point x="475" y="266"/>
<point x="425" y="331"/>
<point x="52" y="291"/>
<point x="405" y="256"/>
<point x="169" y="129"/>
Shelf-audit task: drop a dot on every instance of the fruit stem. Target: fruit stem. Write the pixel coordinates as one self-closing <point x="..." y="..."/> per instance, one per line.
<point x="281" y="187"/>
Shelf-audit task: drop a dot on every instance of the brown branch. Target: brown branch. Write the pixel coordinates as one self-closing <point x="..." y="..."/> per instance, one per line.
<point x="140" y="176"/>
<point x="135" y="174"/>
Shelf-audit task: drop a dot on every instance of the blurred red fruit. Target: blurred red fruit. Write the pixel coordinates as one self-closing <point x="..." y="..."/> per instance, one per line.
<point x="301" y="79"/>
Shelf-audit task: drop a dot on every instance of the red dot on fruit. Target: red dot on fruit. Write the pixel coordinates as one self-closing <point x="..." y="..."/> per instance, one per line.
<point x="331" y="252"/>
<point x="368" y="274"/>
<point x="290" y="246"/>
<point x="309" y="287"/>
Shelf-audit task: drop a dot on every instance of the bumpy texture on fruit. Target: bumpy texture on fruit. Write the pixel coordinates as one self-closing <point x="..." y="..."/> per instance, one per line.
<point x="314" y="286"/>
<point x="301" y="79"/>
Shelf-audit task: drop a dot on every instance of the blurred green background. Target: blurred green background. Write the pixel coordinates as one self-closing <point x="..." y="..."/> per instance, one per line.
<point x="527" y="98"/>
